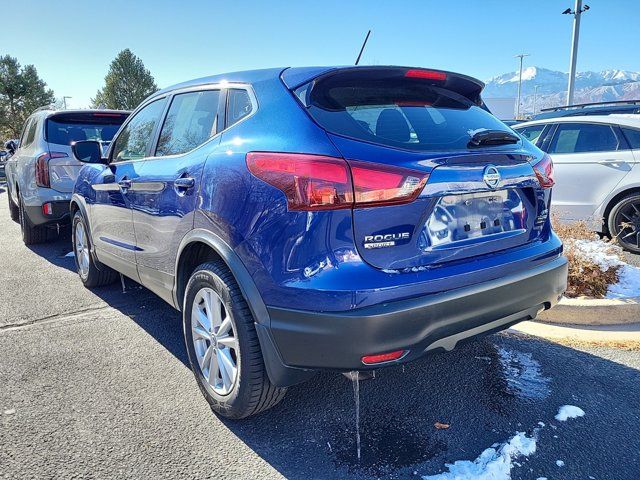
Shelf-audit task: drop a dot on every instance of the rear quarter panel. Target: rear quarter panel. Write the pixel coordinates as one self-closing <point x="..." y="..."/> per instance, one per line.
<point x="279" y="248"/>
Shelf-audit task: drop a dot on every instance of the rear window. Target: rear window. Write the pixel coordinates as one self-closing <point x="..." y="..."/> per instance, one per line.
<point x="63" y="129"/>
<point x="399" y="112"/>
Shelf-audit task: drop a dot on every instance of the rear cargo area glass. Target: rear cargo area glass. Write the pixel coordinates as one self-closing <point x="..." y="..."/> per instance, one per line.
<point x="64" y="129"/>
<point x="408" y="113"/>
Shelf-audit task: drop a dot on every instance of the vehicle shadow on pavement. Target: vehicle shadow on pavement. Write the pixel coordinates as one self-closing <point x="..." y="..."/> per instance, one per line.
<point x="486" y="391"/>
<point x="151" y="313"/>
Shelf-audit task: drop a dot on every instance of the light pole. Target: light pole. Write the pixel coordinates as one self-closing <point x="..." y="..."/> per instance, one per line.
<point x="521" y="57"/>
<point x="535" y="97"/>
<point x="64" y="101"/>
<point x="577" y="13"/>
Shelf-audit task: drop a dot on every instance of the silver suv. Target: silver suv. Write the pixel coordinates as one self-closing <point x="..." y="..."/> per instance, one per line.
<point x="42" y="171"/>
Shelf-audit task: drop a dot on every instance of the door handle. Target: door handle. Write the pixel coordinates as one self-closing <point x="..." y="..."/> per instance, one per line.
<point x="184" y="183"/>
<point x="611" y="161"/>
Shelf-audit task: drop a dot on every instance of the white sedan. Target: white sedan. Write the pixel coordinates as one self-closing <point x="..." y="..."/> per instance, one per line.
<point x="597" y="180"/>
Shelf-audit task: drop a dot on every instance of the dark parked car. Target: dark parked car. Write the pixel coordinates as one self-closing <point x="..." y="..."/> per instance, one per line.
<point x="4" y="156"/>
<point x="308" y="219"/>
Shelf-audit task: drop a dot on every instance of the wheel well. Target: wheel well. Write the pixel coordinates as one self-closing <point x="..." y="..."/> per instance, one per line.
<point x="194" y="254"/>
<point x="612" y="203"/>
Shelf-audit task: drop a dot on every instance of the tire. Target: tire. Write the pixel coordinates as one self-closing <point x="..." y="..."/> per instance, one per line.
<point x="92" y="273"/>
<point x="624" y="223"/>
<point x="13" y="209"/>
<point x="250" y="391"/>
<point x="31" y="234"/>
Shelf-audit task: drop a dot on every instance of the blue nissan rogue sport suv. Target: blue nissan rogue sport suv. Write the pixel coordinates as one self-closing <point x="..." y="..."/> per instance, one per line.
<point x="320" y="218"/>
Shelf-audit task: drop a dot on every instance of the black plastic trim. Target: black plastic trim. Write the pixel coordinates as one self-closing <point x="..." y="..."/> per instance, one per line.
<point x="338" y="340"/>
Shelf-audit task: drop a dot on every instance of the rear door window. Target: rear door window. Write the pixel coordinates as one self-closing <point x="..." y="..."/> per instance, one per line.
<point x="583" y="138"/>
<point x="633" y="137"/>
<point x="191" y="121"/>
<point x="134" y="141"/>
<point x="531" y="133"/>
<point x="400" y="112"/>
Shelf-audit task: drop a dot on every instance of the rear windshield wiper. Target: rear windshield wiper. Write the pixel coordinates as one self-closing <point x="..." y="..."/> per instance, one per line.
<point x="492" y="137"/>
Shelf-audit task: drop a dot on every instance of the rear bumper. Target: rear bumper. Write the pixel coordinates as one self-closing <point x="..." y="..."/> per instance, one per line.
<point x="60" y="214"/>
<point x="338" y="340"/>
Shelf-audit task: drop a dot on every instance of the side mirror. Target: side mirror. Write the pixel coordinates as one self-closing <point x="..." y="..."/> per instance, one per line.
<point x="11" y="146"/>
<point x="88" y="151"/>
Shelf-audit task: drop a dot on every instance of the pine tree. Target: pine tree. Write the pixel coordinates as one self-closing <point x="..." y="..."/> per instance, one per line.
<point x="127" y="83"/>
<point x="21" y="92"/>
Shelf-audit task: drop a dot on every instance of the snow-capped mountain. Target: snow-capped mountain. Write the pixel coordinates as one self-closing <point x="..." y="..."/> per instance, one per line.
<point x="608" y="85"/>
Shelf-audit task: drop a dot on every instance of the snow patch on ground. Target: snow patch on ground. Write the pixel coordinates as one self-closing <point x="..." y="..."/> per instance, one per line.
<point x="492" y="464"/>
<point x="569" y="411"/>
<point x="607" y="256"/>
<point x="522" y="373"/>
<point x="628" y="283"/>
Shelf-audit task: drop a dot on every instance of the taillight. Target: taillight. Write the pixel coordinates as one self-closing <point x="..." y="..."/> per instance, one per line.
<point x="42" y="168"/>
<point x="314" y="182"/>
<point x="310" y="182"/>
<point x="544" y="171"/>
<point x="425" y="74"/>
<point x="376" y="184"/>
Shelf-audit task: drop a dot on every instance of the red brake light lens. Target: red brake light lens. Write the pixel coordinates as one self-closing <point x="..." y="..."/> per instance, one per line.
<point x="310" y="182"/>
<point x="42" y="168"/>
<point x="314" y="182"/>
<point x="544" y="171"/>
<point x="383" y="357"/>
<point x="376" y="184"/>
<point x="425" y="74"/>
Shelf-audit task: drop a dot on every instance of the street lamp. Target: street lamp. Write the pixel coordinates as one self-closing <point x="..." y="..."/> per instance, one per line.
<point x="577" y="13"/>
<point x="64" y="101"/>
<point x="521" y="57"/>
<point x="535" y="97"/>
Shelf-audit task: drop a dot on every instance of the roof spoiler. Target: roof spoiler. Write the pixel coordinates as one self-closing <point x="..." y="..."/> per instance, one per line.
<point x="464" y="85"/>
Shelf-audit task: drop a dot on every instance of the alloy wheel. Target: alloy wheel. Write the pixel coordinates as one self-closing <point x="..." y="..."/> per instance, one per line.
<point x="81" y="245"/>
<point x="627" y="224"/>
<point x="214" y="341"/>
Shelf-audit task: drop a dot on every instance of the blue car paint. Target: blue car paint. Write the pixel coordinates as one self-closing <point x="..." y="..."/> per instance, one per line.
<point x="302" y="260"/>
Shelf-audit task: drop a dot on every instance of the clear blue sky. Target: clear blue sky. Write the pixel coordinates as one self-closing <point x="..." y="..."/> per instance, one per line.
<point x="71" y="43"/>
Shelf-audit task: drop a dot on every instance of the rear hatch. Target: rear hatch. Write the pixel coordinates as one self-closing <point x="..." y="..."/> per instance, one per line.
<point x="63" y="128"/>
<point x="480" y="194"/>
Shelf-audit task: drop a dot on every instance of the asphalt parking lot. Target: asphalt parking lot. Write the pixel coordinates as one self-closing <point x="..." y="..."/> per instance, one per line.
<point x="96" y="385"/>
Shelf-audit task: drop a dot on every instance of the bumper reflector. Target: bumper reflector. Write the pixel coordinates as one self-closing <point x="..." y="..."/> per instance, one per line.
<point x="47" y="209"/>
<point x="383" y="357"/>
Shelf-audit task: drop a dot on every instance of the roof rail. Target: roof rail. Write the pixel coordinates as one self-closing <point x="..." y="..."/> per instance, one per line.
<point x="51" y="106"/>
<point x="595" y="104"/>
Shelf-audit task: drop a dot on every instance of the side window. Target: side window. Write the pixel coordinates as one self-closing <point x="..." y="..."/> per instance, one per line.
<point x="238" y="105"/>
<point x="23" y="137"/>
<point x="583" y="138"/>
<point x="134" y="140"/>
<point x="633" y="137"/>
<point x="191" y="121"/>
<point x="31" y="133"/>
<point x="531" y="133"/>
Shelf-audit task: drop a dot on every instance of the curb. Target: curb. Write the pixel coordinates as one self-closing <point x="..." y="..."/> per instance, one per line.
<point x="603" y="334"/>
<point x="593" y="311"/>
